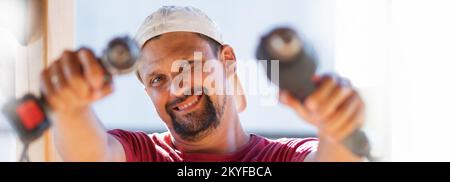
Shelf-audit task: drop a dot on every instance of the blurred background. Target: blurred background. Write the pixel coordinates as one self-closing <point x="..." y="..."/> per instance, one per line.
<point x="395" y="52"/>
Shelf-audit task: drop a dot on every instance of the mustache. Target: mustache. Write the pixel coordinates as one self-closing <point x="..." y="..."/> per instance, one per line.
<point x="180" y="99"/>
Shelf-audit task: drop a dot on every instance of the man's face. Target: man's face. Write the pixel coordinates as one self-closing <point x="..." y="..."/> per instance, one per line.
<point x="188" y="113"/>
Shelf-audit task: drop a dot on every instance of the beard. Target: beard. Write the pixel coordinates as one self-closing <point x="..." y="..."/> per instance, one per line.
<point x="195" y="125"/>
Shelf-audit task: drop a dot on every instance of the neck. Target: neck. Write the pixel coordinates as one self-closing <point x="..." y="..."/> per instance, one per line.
<point x="227" y="138"/>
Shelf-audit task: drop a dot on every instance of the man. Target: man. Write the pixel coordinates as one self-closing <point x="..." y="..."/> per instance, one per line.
<point x="204" y="126"/>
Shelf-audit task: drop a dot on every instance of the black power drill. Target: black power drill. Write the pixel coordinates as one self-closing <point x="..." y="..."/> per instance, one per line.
<point x="29" y="115"/>
<point x="297" y="65"/>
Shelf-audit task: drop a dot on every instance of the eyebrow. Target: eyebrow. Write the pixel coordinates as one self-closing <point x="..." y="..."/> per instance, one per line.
<point x="156" y="72"/>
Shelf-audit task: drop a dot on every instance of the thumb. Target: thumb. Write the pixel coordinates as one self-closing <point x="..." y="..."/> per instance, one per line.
<point x="104" y="91"/>
<point x="287" y="99"/>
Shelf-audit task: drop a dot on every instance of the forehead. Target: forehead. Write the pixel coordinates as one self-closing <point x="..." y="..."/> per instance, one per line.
<point x="158" y="54"/>
<point x="175" y="46"/>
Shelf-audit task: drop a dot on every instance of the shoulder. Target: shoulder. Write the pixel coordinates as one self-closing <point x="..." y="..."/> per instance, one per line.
<point x="287" y="149"/>
<point x="140" y="146"/>
<point x="136" y="137"/>
<point x="128" y="134"/>
<point x="288" y="142"/>
<point x="298" y="143"/>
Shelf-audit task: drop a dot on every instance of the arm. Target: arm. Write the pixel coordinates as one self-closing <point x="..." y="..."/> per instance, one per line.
<point x="70" y="85"/>
<point x="332" y="152"/>
<point x="336" y="110"/>
<point x="79" y="136"/>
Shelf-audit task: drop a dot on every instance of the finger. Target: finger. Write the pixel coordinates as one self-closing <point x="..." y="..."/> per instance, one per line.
<point x="72" y="72"/>
<point x="345" y="82"/>
<point x="287" y="99"/>
<point x="315" y="78"/>
<point x="93" y="71"/>
<point x="56" y="77"/>
<point x="355" y="122"/>
<point x="62" y="94"/>
<point x="343" y="114"/>
<point x="320" y="95"/>
<point x="337" y="97"/>
<point x="47" y="89"/>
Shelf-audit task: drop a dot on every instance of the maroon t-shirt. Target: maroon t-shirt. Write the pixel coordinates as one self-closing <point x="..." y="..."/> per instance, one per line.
<point x="158" y="147"/>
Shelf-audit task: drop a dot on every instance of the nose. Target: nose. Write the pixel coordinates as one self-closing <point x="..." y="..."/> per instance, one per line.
<point x="181" y="84"/>
<point x="179" y="89"/>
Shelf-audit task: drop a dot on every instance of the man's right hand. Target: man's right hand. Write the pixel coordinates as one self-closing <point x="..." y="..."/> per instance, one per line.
<point x="70" y="85"/>
<point x="74" y="81"/>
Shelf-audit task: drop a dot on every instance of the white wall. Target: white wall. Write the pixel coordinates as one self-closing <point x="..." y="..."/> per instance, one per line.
<point x="394" y="51"/>
<point x="397" y="53"/>
<point x="420" y="119"/>
<point x="362" y="54"/>
<point x="22" y="57"/>
<point x="242" y="23"/>
<point x="8" y="43"/>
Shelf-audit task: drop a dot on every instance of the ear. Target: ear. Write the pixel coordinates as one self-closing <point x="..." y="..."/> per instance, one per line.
<point x="241" y="101"/>
<point x="228" y="59"/>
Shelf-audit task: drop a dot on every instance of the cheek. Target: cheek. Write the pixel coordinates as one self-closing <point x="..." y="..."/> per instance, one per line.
<point x="218" y="100"/>
<point x="159" y="101"/>
<point x="215" y="81"/>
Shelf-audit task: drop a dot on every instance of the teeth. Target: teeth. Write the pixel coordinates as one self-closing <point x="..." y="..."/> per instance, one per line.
<point x="184" y="106"/>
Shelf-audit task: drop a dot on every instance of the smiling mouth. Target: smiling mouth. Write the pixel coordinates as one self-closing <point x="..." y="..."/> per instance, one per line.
<point x="188" y="104"/>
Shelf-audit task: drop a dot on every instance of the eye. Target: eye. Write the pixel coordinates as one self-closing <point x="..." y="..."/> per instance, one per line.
<point x="157" y="81"/>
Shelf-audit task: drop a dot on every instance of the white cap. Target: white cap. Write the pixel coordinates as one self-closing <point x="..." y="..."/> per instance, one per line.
<point x="177" y="19"/>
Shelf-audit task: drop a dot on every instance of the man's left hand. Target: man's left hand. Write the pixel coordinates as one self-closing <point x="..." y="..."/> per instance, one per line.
<point x="335" y="108"/>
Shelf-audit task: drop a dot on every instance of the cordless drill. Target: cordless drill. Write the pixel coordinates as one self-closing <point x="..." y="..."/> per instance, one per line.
<point x="297" y="65"/>
<point x="29" y="115"/>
